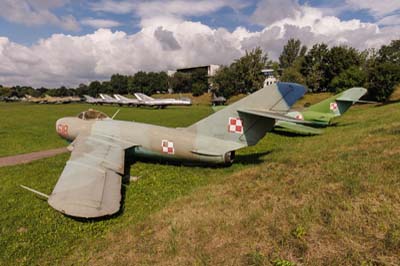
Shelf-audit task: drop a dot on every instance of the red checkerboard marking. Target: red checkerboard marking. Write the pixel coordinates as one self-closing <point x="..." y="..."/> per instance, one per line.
<point x="235" y="125"/>
<point x="299" y="117"/>
<point x="333" y="106"/>
<point x="167" y="147"/>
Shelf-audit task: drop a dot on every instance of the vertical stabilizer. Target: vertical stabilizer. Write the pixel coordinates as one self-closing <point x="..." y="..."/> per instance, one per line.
<point x="340" y="103"/>
<point x="231" y="125"/>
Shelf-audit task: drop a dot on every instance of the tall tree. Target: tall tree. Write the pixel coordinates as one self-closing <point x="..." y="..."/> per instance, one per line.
<point x="242" y="76"/>
<point x="338" y="60"/>
<point x="291" y="51"/>
<point x="314" y="65"/>
<point x="95" y="88"/>
<point x="181" y="82"/>
<point x="119" y="84"/>
<point x="384" y="72"/>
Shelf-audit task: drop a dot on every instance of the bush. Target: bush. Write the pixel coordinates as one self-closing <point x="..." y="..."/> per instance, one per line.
<point x="352" y="77"/>
<point x="198" y="89"/>
<point x="382" y="81"/>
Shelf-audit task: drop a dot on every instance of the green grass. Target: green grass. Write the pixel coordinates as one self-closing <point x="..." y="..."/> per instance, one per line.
<point x="331" y="199"/>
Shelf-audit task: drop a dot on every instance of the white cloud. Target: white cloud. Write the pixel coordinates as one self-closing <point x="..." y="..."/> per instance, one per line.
<point x="270" y="11"/>
<point x="116" y="7"/>
<point x="151" y="12"/>
<point x="100" y="23"/>
<point x="390" y="21"/>
<point x="166" y="42"/>
<point x="37" y="12"/>
<point x="377" y="8"/>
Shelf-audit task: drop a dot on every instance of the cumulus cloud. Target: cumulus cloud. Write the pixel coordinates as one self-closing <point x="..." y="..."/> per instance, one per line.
<point x="390" y="21"/>
<point x="269" y="11"/>
<point x="167" y="39"/>
<point x="377" y="8"/>
<point x="167" y="42"/>
<point x="100" y="23"/>
<point x="37" y="12"/>
<point x="151" y="12"/>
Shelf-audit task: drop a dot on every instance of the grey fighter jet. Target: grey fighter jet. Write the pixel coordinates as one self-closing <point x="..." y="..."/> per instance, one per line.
<point x="102" y="148"/>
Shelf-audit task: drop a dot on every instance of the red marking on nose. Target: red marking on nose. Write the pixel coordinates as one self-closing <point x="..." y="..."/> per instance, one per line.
<point x="62" y="129"/>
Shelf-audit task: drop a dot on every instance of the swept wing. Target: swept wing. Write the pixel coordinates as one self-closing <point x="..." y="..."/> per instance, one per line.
<point x="90" y="184"/>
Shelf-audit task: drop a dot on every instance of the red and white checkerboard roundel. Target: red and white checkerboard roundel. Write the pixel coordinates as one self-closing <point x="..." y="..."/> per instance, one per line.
<point x="235" y="125"/>
<point x="299" y="116"/>
<point x="167" y="147"/>
<point x="333" y="107"/>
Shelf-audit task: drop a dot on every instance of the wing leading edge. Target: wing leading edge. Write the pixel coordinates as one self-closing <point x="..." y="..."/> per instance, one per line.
<point x="90" y="184"/>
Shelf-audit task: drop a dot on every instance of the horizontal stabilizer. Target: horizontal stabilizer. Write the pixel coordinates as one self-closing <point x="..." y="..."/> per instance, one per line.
<point x="296" y="128"/>
<point x="275" y="116"/>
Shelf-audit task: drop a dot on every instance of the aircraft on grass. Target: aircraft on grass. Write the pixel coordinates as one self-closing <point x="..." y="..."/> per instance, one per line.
<point x="122" y="100"/>
<point x="161" y="103"/>
<point x="321" y="114"/>
<point x="103" y="148"/>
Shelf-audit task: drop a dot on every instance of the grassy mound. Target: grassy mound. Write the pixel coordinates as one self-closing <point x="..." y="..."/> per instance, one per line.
<point x="326" y="200"/>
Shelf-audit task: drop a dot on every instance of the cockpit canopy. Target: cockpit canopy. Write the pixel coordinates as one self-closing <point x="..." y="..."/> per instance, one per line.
<point x="92" y="115"/>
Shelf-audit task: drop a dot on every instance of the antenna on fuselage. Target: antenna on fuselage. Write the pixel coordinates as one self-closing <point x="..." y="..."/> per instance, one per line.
<point x="115" y="114"/>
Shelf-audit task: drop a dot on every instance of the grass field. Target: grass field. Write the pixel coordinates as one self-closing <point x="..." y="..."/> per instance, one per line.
<point x="326" y="200"/>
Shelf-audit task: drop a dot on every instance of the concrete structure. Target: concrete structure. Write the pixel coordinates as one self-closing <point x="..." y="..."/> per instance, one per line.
<point x="211" y="69"/>
<point x="269" y="77"/>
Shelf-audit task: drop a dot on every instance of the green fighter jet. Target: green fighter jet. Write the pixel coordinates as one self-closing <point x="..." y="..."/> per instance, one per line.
<point x="321" y="114"/>
<point x="103" y="148"/>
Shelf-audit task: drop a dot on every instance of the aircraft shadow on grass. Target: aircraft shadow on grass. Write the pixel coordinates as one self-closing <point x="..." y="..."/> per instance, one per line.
<point x="246" y="159"/>
<point x="251" y="159"/>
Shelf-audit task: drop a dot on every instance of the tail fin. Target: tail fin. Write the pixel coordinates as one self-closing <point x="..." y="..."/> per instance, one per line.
<point x="106" y="97"/>
<point x="234" y="123"/>
<point x="119" y="97"/>
<point x="143" y="97"/>
<point x="87" y="97"/>
<point x="340" y="103"/>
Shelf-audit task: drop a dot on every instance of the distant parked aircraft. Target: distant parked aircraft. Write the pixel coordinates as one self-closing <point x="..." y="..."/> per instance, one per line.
<point x="107" y="99"/>
<point x="161" y="103"/>
<point x="92" y="100"/>
<point x="122" y="100"/>
<point x="47" y="99"/>
<point x="221" y="100"/>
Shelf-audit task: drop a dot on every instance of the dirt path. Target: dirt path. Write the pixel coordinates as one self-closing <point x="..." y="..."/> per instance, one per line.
<point x="29" y="157"/>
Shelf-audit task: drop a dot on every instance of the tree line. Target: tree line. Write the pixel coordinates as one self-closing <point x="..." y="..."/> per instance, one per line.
<point x="320" y="68"/>
<point x="341" y="67"/>
<point x="149" y="83"/>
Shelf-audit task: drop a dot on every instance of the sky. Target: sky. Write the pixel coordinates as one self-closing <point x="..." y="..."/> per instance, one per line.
<point x="55" y="43"/>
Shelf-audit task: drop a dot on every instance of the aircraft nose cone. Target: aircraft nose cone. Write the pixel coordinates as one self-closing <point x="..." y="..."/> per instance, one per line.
<point x="62" y="128"/>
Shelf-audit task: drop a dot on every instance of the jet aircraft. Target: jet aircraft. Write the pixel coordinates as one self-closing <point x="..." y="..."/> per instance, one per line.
<point x="103" y="148"/>
<point x="122" y="100"/>
<point x="107" y="99"/>
<point x="321" y="114"/>
<point x="161" y="103"/>
<point x="91" y="100"/>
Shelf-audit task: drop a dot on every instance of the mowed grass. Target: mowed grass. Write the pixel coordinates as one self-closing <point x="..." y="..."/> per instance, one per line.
<point x="31" y="127"/>
<point x="326" y="200"/>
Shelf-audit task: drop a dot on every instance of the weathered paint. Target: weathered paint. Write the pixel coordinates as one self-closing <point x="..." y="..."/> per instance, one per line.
<point x="322" y="113"/>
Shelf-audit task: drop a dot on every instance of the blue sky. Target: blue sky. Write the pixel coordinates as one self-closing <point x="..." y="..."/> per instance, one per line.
<point x="162" y="35"/>
<point x="226" y="17"/>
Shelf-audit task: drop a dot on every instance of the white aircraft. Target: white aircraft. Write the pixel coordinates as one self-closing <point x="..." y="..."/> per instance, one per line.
<point x="161" y="103"/>
<point x="122" y="100"/>
<point x="107" y="99"/>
